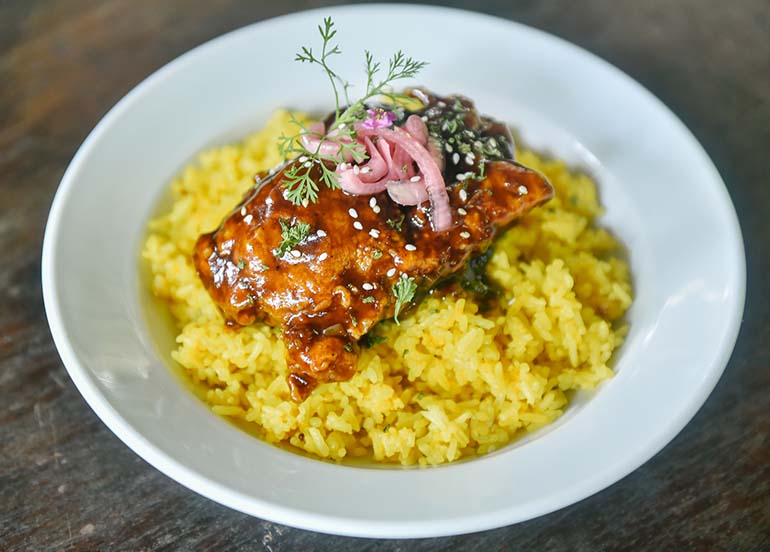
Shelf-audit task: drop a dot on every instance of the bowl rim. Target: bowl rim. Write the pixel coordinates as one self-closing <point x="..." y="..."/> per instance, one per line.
<point x="311" y="520"/>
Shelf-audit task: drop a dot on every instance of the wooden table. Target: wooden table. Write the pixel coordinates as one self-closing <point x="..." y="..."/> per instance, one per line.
<point x="67" y="482"/>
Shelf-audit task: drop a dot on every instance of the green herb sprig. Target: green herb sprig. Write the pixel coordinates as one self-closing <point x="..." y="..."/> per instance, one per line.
<point x="404" y="290"/>
<point x="300" y="181"/>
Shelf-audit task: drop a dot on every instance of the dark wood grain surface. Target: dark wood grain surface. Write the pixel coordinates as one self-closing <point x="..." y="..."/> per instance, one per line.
<point x="67" y="483"/>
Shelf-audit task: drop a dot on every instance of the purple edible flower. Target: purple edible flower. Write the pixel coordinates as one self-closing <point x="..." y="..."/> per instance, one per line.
<point x="378" y="118"/>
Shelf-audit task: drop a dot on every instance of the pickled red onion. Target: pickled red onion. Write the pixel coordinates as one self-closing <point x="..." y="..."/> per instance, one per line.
<point x="370" y="177"/>
<point x="441" y="215"/>
<point x="416" y="127"/>
<point x="312" y="141"/>
<point x="407" y="193"/>
<point x="391" y="166"/>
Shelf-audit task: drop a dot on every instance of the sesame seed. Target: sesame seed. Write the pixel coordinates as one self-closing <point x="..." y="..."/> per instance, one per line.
<point x="323" y="256"/>
<point x="320" y="233"/>
<point x="414" y="179"/>
<point x="296" y="254"/>
<point x="456" y="158"/>
<point x="366" y="170"/>
<point x="469" y="159"/>
<point x="440" y="104"/>
<point x="506" y="184"/>
<point x="372" y="201"/>
<point x="462" y="211"/>
<point x="523" y="190"/>
<point x="448" y="147"/>
<point x="390" y="273"/>
<point x="463" y="195"/>
<point x="247" y="219"/>
<point x="356" y="169"/>
<point x="376" y="209"/>
<point x="303" y="159"/>
<point x="462" y="176"/>
<point x="305" y="202"/>
<point x="465" y="235"/>
<point x="307" y="164"/>
<point x="410" y="247"/>
<point x="367" y="286"/>
<point x="243" y="211"/>
<point x="341" y="126"/>
<point x="353" y="213"/>
<point x="358" y="226"/>
<point x="269" y="201"/>
<point x="374" y="233"/>
<point x="342" y="166"/>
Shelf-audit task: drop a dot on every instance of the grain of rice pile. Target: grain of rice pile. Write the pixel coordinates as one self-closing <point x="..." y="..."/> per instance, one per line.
<point x="449" y="382"/>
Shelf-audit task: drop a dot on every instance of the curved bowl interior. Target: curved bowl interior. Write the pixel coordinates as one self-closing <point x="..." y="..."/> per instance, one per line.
<point x="663" y="198"/>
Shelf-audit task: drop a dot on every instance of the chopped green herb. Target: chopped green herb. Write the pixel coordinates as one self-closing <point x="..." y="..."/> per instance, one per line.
<point x="404" y="290"/>
<point x="376" y="254"/>
<point x="264" y="267"/>
<point x="447" y="126"/>
<point x="292" y="235"/>
<point x="354" y="320"/>
<point x="404" y="353"/>
<point x="396" y="223"/>
<point x="420" y="396"/>
<point x="386" y="428"/>
<point x="479" y="175"/>
<point x="473" y="276"/>
<point x="371" y="339"/>
<point x="241" y="264"/>
<point x="348" y="347"/>
<point x="463" y="148"/>
<point x="251" y="299"/>
<point x="368" y="299"/>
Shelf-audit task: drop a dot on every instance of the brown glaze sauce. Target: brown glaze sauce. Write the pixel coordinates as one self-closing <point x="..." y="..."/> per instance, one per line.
<point x="336" y="284"/>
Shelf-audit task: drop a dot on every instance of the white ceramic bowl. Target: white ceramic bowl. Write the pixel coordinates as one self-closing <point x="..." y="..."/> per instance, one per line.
<point x="663" y="196"/>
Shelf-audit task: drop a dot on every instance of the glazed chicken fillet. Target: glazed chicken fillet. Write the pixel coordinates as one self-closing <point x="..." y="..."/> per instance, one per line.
<point x="337" y="283"/>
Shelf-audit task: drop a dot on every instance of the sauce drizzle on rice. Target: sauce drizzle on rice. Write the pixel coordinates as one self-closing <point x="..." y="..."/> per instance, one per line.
<point x="451" y="381"/>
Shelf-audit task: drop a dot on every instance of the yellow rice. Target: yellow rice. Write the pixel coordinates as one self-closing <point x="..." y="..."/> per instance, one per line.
<point x="450" y="382"/>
